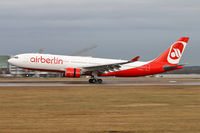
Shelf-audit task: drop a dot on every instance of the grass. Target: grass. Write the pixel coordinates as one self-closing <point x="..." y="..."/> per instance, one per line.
<point x="100" y="109"/>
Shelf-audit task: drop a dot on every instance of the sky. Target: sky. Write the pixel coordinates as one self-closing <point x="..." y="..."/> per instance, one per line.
<point x="122" y="29"/>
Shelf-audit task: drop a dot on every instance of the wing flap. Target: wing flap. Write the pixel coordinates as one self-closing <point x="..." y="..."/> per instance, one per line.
<point x="109" y="67"/>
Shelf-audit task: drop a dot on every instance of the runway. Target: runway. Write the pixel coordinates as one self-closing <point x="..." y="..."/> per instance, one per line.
<point x="105" y="83"/>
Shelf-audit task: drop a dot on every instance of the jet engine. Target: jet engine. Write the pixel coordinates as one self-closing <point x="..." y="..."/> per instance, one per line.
<point x="72" y="72"/>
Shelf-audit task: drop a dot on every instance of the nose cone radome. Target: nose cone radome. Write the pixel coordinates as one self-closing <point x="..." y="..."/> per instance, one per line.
<point x="14" y="60"/>
<point x="10" y="61"/>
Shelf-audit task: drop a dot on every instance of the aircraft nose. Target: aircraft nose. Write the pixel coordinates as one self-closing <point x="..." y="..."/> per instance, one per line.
<point x="10" y="61"/>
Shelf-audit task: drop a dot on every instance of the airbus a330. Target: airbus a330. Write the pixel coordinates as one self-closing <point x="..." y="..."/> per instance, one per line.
<point x="77" y="66"/>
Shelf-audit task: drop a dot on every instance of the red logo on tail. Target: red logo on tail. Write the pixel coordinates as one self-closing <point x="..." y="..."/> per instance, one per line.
<point x="176" y="51"/>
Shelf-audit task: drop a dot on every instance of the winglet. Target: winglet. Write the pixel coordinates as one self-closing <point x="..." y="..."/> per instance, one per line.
<point x="135" y="59"/>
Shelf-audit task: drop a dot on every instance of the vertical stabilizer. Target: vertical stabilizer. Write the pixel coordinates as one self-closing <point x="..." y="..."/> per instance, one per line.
<point x="173" y="54"/>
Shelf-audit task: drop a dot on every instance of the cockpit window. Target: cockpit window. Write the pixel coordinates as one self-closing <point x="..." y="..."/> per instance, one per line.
<point x="16" y="57"/>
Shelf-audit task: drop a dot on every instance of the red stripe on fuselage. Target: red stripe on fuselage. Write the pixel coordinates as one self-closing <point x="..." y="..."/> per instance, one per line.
<point x="148" y="69"/>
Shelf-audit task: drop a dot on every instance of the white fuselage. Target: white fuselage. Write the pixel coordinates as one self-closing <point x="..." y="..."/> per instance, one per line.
<point x="77" y="66"/>
<point x="60" y="63"/>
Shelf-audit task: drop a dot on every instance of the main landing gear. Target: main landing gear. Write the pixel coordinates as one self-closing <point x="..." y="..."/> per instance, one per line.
<point x="94" y="80"/>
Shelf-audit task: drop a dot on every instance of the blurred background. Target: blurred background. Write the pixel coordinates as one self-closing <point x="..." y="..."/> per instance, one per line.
<point x="120" y="29"/>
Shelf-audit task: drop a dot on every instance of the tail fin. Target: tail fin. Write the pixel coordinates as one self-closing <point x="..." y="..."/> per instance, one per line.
<point x="173" y="54"/>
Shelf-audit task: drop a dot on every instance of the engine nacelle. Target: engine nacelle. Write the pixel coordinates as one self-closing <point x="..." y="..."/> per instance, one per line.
<point x="72" y="72"/>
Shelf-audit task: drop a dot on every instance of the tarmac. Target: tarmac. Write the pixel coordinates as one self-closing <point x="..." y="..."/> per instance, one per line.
<point x="106" y="82"/>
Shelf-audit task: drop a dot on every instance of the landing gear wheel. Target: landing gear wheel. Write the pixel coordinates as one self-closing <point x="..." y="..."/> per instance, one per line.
<point x="99" y="81"/>
<point x="92" y="81"/>
<point x="95" y="81"/>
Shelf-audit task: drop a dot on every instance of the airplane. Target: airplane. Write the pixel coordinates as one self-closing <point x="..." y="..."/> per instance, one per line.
<point x="78" y="66"/>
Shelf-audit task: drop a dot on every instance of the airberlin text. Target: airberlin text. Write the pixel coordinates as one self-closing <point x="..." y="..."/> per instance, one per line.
<point x="46" y="60"/>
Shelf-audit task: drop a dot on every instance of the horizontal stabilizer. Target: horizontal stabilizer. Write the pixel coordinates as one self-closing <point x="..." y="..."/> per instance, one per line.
<point x="167" y="68"/>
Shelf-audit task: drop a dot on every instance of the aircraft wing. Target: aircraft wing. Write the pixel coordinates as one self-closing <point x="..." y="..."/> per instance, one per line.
<point x="108" y="67"/>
